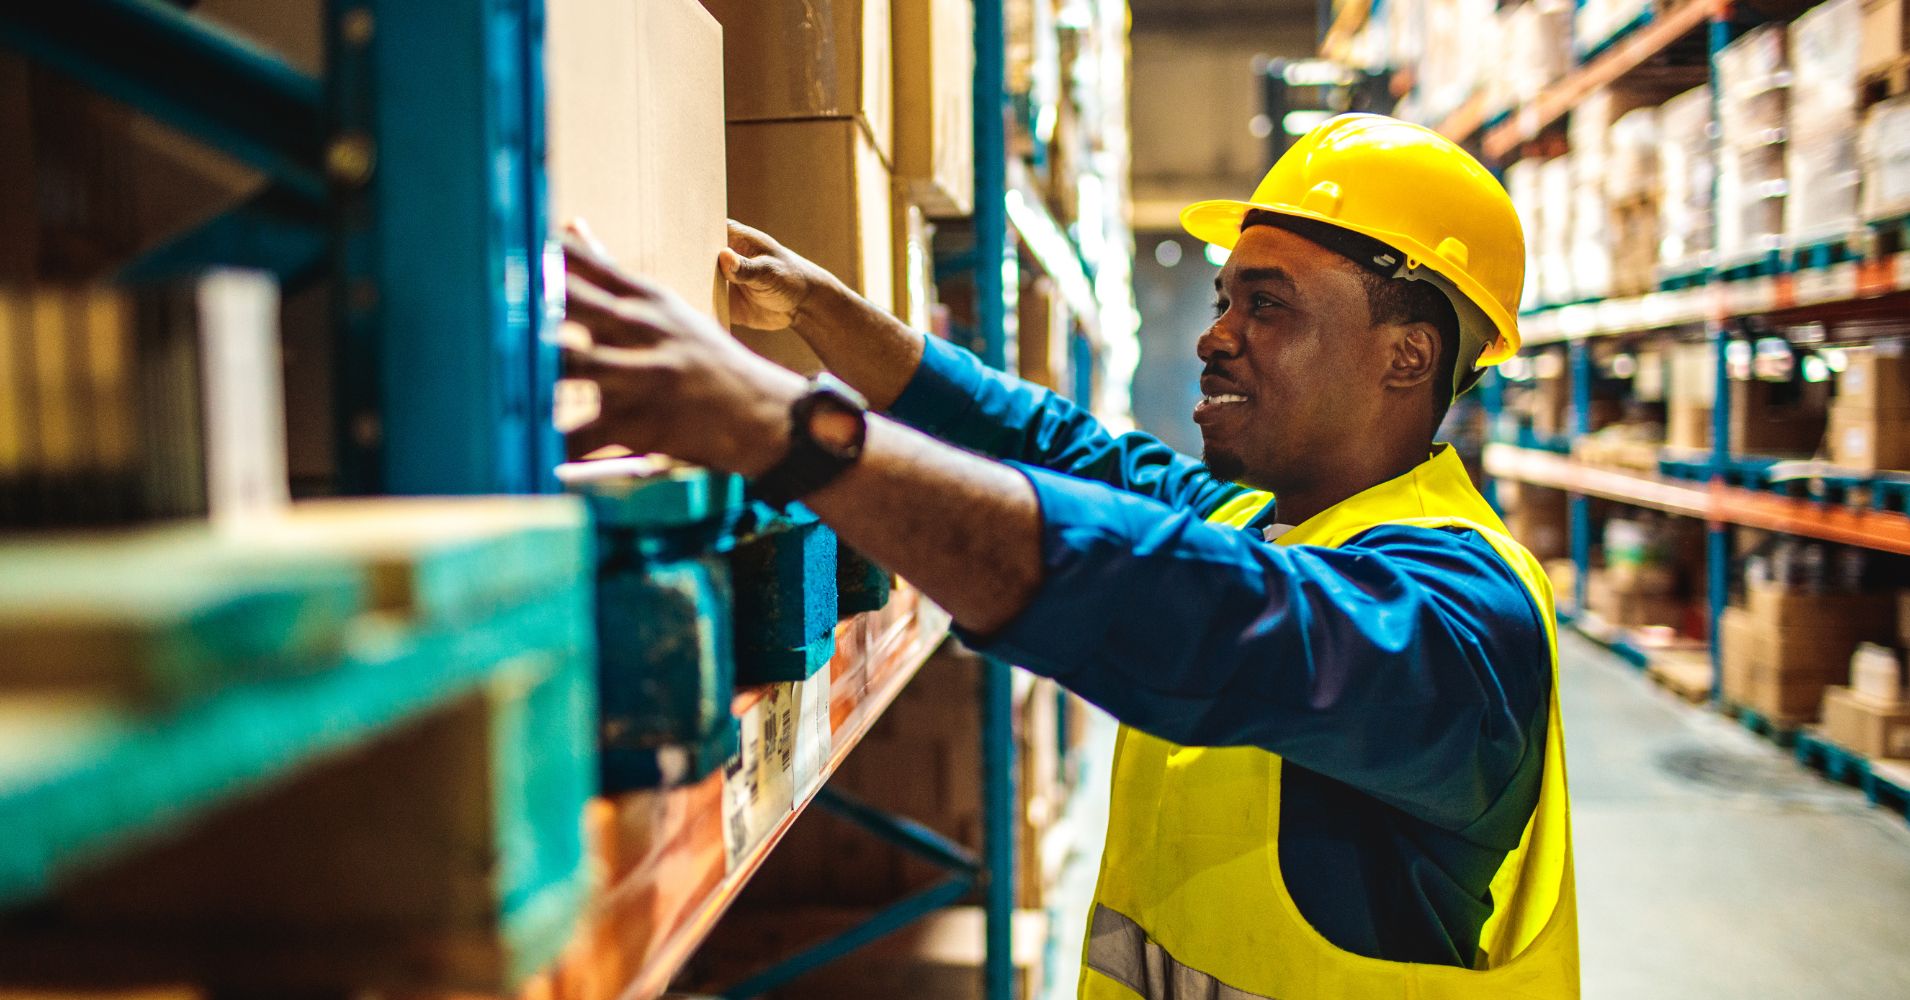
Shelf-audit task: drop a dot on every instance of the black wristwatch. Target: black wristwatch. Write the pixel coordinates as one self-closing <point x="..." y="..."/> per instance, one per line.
<point x="827" y="426"/>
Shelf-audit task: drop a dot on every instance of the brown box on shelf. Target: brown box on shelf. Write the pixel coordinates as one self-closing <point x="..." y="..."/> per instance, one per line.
<point x="1549" y="403"/>
<point x="821" y="188"/>
<point x="1761" y="425"/>
<point x="1868" y="441"/>
<point x="635" y="95"/>
<point x="1042" y="338"/>
<point x="1883" y="156"/>
<point x="1537" y="518"/>
<point x="934" y="97"/>
<point x="1871" y="728"/>
<point x="1608" y="598"/>
<point x="1687" y="425"/>
<point x="791" y="59"/>
<point x="1876" y="379"/>
<point x="1869" y="616"/>
<point x="1886" y="35"/>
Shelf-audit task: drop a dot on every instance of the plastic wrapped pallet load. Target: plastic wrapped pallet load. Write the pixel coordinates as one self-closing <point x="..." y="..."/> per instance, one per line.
<point x="1522" y="184"/>
<point x="1884" y="152"/>
<point x="1686" y="169"/>
<point x="1557" y="284"/>
<point x="1754" y="82"/>
<point x="1821" y="164"/>
<point x="1632" y="191"/>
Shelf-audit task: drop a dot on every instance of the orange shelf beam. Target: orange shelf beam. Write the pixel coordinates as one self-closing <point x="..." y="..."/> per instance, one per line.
<point x="666" y="877"/>
<point x="1871" y="529"/>
<point x="1630" y="53"/>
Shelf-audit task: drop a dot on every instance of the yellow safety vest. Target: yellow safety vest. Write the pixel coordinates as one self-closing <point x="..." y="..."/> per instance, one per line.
<point x="1192" y="902"/>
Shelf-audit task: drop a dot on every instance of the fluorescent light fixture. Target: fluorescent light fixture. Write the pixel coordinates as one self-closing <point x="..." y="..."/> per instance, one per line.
<point x="1302" y="122"/>
<point x="1217" y="256"/>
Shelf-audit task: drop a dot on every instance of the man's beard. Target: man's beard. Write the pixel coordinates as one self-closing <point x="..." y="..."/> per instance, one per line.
<point x="1225" y="465"/>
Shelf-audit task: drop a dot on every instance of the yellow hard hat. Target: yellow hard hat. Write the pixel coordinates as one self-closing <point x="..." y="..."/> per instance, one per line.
<point x="1413" y="190"/>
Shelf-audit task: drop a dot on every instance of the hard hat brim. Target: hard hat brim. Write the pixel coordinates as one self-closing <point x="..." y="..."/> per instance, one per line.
<point x="1218" y="222"/>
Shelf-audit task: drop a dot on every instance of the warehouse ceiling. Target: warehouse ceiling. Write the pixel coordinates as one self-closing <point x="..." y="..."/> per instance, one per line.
<point x="1195" y="95"/>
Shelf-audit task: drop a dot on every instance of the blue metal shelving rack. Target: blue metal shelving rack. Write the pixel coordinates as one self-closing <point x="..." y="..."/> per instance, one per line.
<point x="410" y="176"/>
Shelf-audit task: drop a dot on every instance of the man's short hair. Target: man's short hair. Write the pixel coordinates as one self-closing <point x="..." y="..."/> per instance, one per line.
<point x="1388" y="299"/>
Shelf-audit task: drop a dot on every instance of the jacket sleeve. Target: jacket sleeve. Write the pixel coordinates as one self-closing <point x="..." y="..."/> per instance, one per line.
<point x="955" y="397"/>
<point x="1410" y="664"/>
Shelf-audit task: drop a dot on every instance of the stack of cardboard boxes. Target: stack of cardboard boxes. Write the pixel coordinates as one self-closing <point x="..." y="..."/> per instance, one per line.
<point x="1754" y="87"/>
<point x="818" y="156"/>
<point x="1789" y="644"/>
<point x="1884" y="145"/>
<point x="1639" y="584"/>
<point x="1870" y="716"/>
<point x="1820" y="156"/>
<point x="1687" y="169"/>
<point x="1870" y="419"/>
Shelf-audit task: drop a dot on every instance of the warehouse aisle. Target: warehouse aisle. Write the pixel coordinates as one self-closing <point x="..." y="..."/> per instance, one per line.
<point x="1710" y="864"/>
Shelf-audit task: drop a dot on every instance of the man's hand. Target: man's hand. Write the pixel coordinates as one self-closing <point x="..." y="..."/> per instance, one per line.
<point x="671" y="379"/>
<point x="769" y="283"/>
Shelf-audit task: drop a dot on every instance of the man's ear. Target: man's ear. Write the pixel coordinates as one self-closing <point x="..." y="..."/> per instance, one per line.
<point x="1414" y="349"/>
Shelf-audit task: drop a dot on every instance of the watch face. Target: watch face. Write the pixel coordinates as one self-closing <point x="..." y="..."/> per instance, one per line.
<point x="837" y="425"/>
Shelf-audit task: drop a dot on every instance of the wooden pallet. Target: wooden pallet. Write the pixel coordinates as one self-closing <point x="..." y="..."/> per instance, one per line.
<point x="1685" y="676"/>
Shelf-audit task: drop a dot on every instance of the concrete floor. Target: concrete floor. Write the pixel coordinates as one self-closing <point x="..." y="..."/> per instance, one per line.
<point x="1710" y="865"/>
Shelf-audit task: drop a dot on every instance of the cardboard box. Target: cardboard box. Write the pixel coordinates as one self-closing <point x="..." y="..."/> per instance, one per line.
<point x="1687" y="425"/>
<point x="793" y="59"/>
<point x="1782" y="652"/>
<point x="1868" y="441"/>
<point x="1867" y="616"/>
<point x="1869" y="728"/>
<point x="1876" y="379"/>
<point x="1042" y="337"/>
<point x="635" y="98"/>
<point x="934" y="101"/>
<point x="1883" y="154"/>
<point x="1886" y="35"/>
<point x="1768" y="419"/>
<point x="1876" y="674"/>
<point x="820" y="187"/>
<point x="1628" y="609"/>
<point x="1537" y="518"/>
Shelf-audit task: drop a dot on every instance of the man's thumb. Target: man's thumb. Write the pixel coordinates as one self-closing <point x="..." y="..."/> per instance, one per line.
<point x="752" y="271"/>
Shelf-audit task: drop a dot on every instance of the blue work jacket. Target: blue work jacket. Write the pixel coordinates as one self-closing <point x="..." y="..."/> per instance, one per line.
<point x="1404" y="787"/>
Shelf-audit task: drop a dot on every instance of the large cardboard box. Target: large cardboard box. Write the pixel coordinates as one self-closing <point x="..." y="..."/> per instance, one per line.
<point x="934" y="101"/>
<point x="1042" y="334"/>
<point x="792" y="59"/>
<point x="1886" y="35"/>
<point x="1769" y="418"/>
<point x="1786" y="647"/>
<point x="1609" y="598"/>
<point x="1868" y="727"/>
<point x="1537" y="517"/>
<point x="1876" y="379"/>
<point x="635" y="97"/>
<point x="1868" y="441"/>
<point x="1866" y="616"/>
<point x="821" y="188"/>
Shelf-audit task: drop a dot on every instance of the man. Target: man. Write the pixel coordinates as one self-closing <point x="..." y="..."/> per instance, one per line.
<point x="1340" y="771"/>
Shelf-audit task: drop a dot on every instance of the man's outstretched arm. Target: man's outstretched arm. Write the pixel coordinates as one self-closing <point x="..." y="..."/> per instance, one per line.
<point x="945" y="391"/>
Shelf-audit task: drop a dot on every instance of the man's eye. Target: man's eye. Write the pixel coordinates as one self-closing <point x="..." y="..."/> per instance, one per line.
<point x="1264" y="302"/>
<point x="1220" y="308"/>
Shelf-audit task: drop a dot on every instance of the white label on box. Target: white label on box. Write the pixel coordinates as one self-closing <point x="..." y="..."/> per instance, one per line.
<point x="758" y="783"/>
<point x="813" y="737"/>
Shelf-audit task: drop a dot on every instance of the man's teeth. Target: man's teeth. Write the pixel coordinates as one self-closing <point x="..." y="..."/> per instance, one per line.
<point x="1226" y="398"/>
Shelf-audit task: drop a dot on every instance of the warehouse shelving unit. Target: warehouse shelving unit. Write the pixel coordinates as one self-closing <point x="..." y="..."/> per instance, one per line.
<point x="411" y="178"/>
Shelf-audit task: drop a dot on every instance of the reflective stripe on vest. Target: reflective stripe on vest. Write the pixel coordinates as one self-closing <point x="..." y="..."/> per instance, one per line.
<point x="1192" y="902"/>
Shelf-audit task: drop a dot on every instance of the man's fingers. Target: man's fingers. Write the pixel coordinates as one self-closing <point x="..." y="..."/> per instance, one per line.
<point x="756" y="272"/>
<point x="610" y="320"/>
<point x="582" y="229"/>
<point x="581" y="260"/>
<point x="746" y="240"/>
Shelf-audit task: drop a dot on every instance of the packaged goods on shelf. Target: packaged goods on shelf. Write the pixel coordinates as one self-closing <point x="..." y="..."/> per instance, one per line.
<point x="1876" y="674"/>
<point x="1822" y="185"/>
<point x="787" y="59"/>
<point x="821" y="188"/>
<point x="635" y="96"/>
<point x="1609" y="599"/>
<point x="1751" y="201"/>
<point x="1632" y="142"/>
<point x="1557" y="282"/>
<point x="1538" y="37"/>
<point x="1868" y="727"/>
<point x="1876" y="378"/>
<point x="1537" y="518"/>
<point x="1823" y="57"/>
<point x="934" y="101"/>
<point x="1870" y="417"/>
<point x="1034" y="69"/>
<point x="1687" y="169"/>
<point x="1886" y="35"/>
<point x="1777" y="418"/>
<point x="1884" y="155"/>
<point x="1522" y="184"/>
<point x="1592" y="236"/>
<point x="1789" y="645"/>
<point x="1754" y="83"/>
<point x="1869" y="442"/>
<point x="147" y="403"/>
<point x="1597" y="21"/>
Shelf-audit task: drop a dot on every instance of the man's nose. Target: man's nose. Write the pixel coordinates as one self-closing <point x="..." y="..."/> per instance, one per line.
<point x="1220" y="341"/>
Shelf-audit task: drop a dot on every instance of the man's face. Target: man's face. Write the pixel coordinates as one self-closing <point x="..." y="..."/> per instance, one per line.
<point x="1291" y="371"/>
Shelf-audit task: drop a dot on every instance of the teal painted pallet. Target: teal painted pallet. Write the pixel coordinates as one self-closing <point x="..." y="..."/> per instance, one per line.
<point x="1680" y="280"/>
<point x="1850" y="768"/>
<point x="1823" y="253"/>
<point x="1778" y="731"/>
<point x="408" y="818"/>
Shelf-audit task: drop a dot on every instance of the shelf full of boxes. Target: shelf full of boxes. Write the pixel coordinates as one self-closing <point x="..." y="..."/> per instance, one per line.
<point x="683" y="669"/>
<point x="1706" y="430"/>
